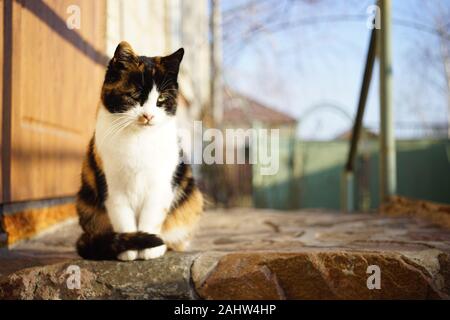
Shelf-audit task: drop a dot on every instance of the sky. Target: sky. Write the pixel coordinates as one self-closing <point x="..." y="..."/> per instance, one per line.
<point x="314" y="71"/>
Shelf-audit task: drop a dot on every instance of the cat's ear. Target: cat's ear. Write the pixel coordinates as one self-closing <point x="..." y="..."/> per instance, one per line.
<point x="124" y="55"/>
<point x="172" y="61"/>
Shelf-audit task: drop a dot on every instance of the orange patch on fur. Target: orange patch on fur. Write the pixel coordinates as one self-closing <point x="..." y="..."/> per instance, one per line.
<point x="184" y="217"/>
<point x="98" y="160"/>
<point x="158" y="65"/>
<point x="93" y="220"/>
<point x="88" y="174"/>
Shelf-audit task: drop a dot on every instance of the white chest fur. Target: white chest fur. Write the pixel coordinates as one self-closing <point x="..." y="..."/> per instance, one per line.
<point x="139" y="163"/>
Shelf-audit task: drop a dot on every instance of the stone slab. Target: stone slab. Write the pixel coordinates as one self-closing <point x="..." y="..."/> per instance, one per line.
<point x="250" y="254"/>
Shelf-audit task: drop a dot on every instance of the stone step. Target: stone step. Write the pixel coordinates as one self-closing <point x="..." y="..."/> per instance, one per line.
<point x="255" y="254"/>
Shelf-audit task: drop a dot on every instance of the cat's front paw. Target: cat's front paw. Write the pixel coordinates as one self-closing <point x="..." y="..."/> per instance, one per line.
<point x="153" y="253"/>
<point x="129" y="255"/>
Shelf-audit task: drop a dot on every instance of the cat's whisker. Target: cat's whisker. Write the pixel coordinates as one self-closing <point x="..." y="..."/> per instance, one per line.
<point x="117" y="122"/>
<point x="123" y="115"/>
<point x="170" y="90"/>
<point x="115" y="126"/>
<point x="121" y="128"/>
<point x="120" y="117"/>
<point x="165" y="85"/>
<point x="167" y="88"/>
<point x="113" y="129"/>
<point x="109" y="136"/>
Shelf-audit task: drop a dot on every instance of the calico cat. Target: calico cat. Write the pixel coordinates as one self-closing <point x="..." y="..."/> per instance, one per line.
<point x="137" y="199"/>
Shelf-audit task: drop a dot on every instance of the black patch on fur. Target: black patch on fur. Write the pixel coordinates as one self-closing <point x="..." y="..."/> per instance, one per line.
<point x="100" y="180"/>
<point x="108" y="246"/>
<point x="170" y="103"/>
<point x="87" y="194"/>
<point x="182" y="184"/>
<point x="126" y="89"/>
<point x="179" y="174"/>
<point x="93" y="197"/>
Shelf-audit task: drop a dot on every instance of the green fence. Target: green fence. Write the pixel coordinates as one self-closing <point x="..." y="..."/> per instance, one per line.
<point x="310" y="174"/>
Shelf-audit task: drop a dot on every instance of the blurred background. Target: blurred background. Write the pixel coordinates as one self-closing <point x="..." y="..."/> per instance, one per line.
<point x="315" y="69"/>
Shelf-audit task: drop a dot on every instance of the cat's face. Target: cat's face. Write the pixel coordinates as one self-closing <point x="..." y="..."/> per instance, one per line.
<point x="144" y="89"/>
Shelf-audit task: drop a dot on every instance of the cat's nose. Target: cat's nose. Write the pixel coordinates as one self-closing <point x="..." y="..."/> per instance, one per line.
<point x="145" y="118"/>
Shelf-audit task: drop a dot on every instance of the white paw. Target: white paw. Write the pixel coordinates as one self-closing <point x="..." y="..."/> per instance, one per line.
<point x="129" y="255"/>
<point x="152" y="253"/>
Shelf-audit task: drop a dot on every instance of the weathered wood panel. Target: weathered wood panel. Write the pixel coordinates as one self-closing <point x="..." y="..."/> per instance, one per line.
<point x="56" y="79"/>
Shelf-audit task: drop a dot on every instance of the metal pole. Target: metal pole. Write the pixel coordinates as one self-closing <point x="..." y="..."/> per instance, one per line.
<point x="357" y="126"/>
<point x="347" y="195"/>
<point x="216" y="62"/>
<point x="388" y="172"/>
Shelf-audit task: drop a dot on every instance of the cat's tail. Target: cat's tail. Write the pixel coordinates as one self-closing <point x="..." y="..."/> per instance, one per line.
<point x="109" y="245"/>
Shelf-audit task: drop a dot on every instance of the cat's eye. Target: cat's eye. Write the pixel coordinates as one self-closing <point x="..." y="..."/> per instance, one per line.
<point x="161" y="99"/>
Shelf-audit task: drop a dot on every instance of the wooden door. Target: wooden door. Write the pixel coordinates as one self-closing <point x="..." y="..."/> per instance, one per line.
<point x="56" y="74"/>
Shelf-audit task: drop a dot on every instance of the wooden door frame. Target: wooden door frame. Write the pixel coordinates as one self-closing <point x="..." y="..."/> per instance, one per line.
<point x="6" y="93"/>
